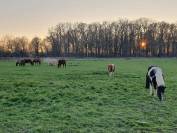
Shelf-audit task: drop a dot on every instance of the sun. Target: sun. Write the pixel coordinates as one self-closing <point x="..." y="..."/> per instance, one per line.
<point x="143" y="44"/>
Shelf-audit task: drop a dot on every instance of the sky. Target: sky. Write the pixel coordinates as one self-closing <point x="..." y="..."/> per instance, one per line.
<point x="34" y="17"/>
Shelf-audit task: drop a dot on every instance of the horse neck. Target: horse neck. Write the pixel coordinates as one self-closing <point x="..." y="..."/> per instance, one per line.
<point x="160" y="80"/>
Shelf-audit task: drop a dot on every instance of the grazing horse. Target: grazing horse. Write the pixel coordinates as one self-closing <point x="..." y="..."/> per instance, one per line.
<point x="111" y="69"/>
<point x="62" y="62"/>
<point x="28" y="60"/>
<point x="154" y="77"/>
<point x="52" y="63"/>
<point x="36" y="61"/>
<point x="20" y="62"/>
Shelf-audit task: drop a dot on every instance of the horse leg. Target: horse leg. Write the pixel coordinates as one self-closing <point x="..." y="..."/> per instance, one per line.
<point x="110" y="74"/>
<point x="159" y="94"/>
<point x="151" y="91"/>
<point x="22" y="64"/>
<point x="155" y="92"/>
<point x="147" y="81"/>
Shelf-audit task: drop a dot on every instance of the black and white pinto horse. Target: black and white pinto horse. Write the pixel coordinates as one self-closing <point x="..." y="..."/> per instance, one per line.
<point x="154" y="78"/>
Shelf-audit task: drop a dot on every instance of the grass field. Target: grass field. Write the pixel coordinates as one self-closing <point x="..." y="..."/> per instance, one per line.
<point x="82" y="98"/>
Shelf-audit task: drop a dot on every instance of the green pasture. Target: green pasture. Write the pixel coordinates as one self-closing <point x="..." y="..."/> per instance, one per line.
<point x="83" y="99"/>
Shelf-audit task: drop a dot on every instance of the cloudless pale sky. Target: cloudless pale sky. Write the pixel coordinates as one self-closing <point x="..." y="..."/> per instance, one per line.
<point x="34" y="17"/>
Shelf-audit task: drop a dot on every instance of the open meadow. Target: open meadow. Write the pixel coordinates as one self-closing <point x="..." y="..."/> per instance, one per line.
<point x="83" y="99"/>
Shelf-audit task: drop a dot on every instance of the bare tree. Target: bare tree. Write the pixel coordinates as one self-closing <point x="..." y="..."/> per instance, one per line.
<point x="36" y="46"/>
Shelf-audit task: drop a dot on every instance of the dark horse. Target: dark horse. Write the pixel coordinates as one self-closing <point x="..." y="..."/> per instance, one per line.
<point x="36" y="61"/>
<point x="20" y="62"/>
<point x="28" y="60"/>
<point x="62" y="62"/>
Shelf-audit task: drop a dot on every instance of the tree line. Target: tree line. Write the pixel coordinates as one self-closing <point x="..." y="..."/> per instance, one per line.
<point x="122" y="38"/>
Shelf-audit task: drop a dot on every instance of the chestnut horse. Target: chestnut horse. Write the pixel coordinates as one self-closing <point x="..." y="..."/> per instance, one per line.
<point x="111" y="69"/>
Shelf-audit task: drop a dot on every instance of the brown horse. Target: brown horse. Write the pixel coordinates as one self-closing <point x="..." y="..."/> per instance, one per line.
<point x="61" y="62"/>
<point x="36" y="61"/>
<point x="111" y="69"/>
